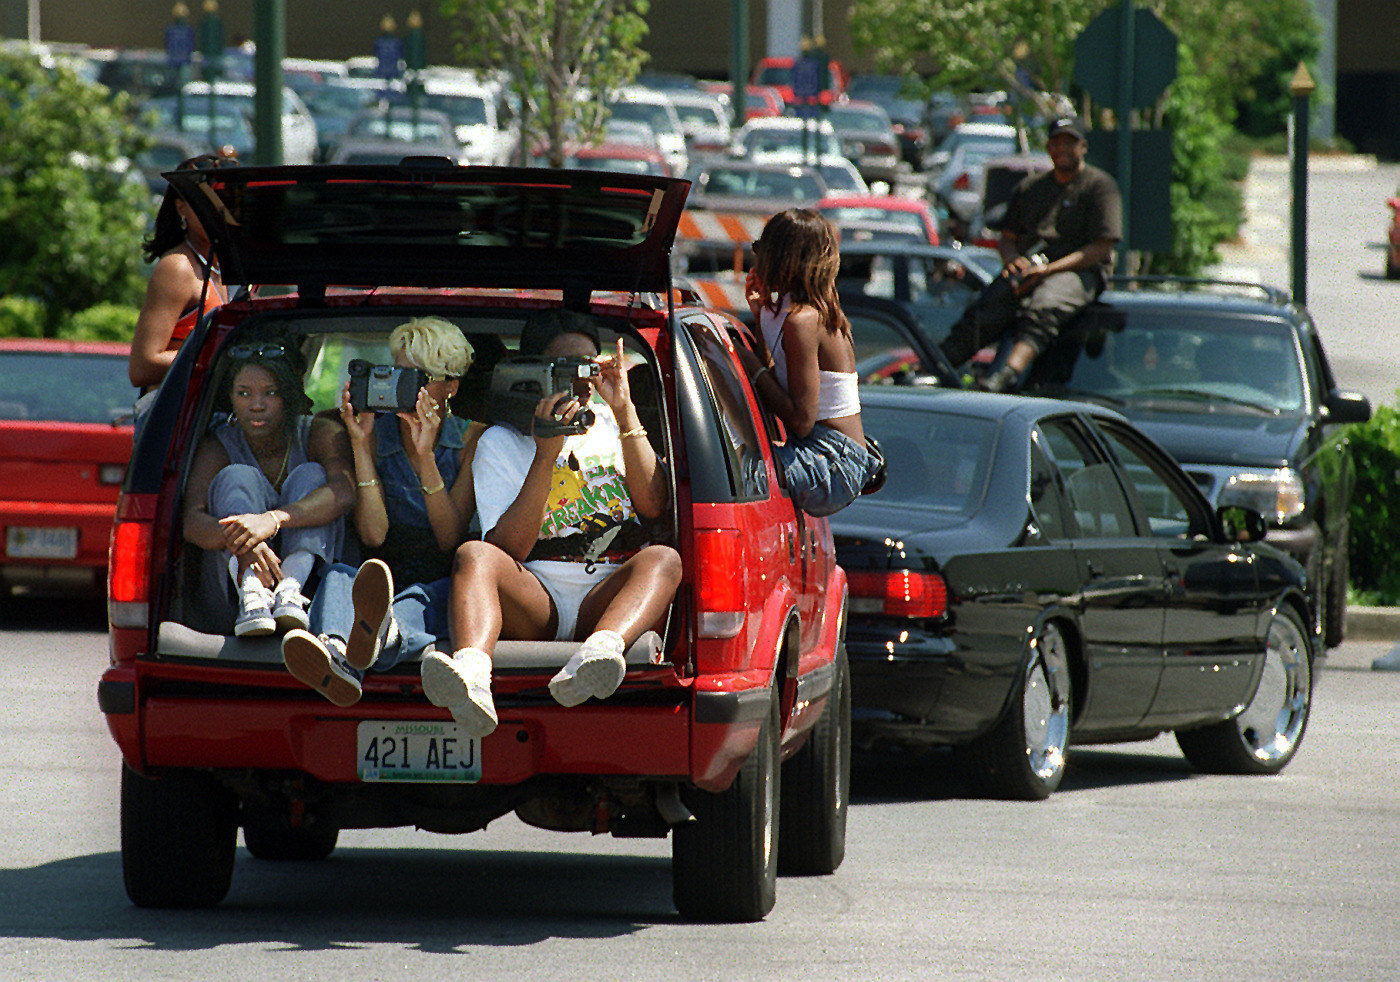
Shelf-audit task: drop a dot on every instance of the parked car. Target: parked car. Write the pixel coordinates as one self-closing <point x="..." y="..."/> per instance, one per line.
<point x="471" y="108"/>
<point x="867" y="140"/>
<point x="191" y="119"/>
<point x="741" y="186"/>
<point x="741" y="690"/>
<point x="1233" y="381"/>
<point x="1000" y="175"/>
<point x="997" y="139"/>
<point x="65" y="439"/>
<point x="1392" y="239"/>
<point x="655" y="109"/>
<point x="958" y="186"/>
<point x="626" y="158"/>
<point x="335" y="102"/>
<point x="377" y="150"/>
<point x="777" y="72"/>
<point x="911" y="214"/>
<point x="759" y="100"/>
<point x="784" y="139"/>
<point x="299" y="140"/>
<point x="1038" y="574"/>
<point x="705" y="119"/>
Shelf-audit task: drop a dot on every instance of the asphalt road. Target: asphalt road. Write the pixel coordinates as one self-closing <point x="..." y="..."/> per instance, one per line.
<point x="1137" y="868"/>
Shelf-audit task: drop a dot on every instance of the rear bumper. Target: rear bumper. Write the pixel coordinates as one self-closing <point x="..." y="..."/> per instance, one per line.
<point x="92" y="521"/>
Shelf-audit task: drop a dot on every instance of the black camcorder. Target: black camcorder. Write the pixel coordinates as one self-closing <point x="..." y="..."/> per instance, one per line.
<point x="384" y="388"/>
<point x="519" y="383"/>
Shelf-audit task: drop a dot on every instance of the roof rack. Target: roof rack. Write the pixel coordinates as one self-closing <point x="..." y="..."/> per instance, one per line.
<point x="1165" y="283"/>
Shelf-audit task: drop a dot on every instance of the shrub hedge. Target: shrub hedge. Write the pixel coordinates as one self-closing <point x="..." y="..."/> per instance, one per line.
<point x="1375" y="508"/>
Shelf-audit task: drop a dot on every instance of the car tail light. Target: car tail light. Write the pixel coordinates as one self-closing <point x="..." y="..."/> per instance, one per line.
<point x="963" y="183"/>
<point x="129" y="565"/>
<point x="898" y="593"/>
<point x="720" y="579"/>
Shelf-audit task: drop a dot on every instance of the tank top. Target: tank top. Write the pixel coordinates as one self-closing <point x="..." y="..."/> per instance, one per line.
<point x="838" y="393"/>
<point x="213" y="297"/>
<point x="235" y="444"/>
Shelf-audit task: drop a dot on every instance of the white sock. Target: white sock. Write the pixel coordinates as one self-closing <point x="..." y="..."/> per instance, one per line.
<point x="250" y="581"/>
<point x="298" y="566"/>
<point x="607" y="641"/>
<point x="476" y="662"/>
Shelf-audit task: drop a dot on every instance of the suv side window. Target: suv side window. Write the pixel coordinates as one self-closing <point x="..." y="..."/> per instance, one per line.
<point x="743" y="443"/>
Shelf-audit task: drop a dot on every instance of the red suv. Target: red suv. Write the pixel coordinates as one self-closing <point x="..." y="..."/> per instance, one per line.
<point x="731" y="730"/>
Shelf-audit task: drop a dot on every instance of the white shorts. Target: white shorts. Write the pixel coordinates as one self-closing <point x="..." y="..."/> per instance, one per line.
<point x="567" y="584"/>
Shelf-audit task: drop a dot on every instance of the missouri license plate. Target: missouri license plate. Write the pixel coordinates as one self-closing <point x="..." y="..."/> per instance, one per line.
<point x="24" y="542"/>
<point x="417" y="751"/>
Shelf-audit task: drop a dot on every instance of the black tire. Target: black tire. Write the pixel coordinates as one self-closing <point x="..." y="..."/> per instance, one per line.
<point x="817" y="786"/>
<point x="1392" y="271"/>
<point x="1022" y="758"/>
<point x="1264" y="737"/>
<point x="274" y="840"/>
<point x="1334" y="618"/>
<point x="179" y="832"/>
<point x="724" y="865"/>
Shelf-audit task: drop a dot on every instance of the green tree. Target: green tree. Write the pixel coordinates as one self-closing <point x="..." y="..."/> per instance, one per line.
<point x="71" y="216"/>
<point x="562" y="55"/>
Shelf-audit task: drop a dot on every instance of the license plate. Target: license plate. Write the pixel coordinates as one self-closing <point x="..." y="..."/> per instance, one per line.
<point x="417" y="751"/>
<point x="23" y="542"/>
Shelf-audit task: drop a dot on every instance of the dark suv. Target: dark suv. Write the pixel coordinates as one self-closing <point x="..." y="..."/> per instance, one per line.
<point x="1233" y="381"/>
<point x="731" y="729"/>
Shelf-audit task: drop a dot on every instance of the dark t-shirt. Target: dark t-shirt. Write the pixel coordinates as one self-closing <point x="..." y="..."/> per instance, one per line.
<point x="1067" y="216"/>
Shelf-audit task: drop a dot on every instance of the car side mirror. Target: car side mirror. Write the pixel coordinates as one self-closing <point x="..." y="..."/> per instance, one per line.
<point x="1344" y="406"/>
<point x="1240" y="524"/>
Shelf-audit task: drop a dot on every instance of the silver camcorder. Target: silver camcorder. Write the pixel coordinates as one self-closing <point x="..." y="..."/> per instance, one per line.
<point x="519" y="383"/>
<point x="384" y="388"/>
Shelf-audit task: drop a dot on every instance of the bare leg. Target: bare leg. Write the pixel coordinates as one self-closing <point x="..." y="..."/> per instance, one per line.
<point x="635" y="597"/>
<point x="492" y="595"/>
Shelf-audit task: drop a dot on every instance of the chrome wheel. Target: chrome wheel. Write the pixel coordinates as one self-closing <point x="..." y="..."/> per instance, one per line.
<point x="1045" y="705"/>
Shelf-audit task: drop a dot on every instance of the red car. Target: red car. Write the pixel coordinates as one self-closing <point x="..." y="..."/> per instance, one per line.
<point x="1392" y="239"/>
<point x="759" y="100"/>
<point x="887" y="209"/>
<point x="65" y="439"/>
<point x="777" y="72"/>
<point x="742" y="689"/>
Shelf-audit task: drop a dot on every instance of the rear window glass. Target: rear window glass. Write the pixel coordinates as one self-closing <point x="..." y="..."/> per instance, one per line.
<point x="936" y="460"/>
<point x="64" y="388"/>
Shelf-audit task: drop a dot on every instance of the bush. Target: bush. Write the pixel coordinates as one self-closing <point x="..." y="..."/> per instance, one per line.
<point x="104" y="322"/>
<point x="21" y="317"/>
<point x="1375" y="507"/>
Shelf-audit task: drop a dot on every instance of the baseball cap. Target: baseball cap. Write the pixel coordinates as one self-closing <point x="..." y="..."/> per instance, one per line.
<point x="1068" y="124"/>
<point x="544" y="327"/>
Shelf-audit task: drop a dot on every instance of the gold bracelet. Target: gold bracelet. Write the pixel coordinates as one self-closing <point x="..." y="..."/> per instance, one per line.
<point x="635" y="431"/>
<point x="427" y="490"/>
<point x="371" y="483"/>
<point x="278" y="522"/>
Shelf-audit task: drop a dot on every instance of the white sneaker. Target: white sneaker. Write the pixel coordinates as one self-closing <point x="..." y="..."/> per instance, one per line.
<point x="289" y="606"/>
<point x="373" y="597"/>
<point x="462" y="688"/>
<point x="255" y="612"/>
<point x="320" y="663"/>
<point x="596" y="669"/>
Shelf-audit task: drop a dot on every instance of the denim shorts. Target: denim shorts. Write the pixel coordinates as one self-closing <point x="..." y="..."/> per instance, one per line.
<point x="824" y="470"/>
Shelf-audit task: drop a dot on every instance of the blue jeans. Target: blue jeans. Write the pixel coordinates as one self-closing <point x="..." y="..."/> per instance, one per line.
<point x="825" y="470"/>
<point x="242" y="489"/>
<point x="420" y="610"/>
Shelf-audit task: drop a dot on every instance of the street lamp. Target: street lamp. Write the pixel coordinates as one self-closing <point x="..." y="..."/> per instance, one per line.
<point x="179" y="49"/>
<point x="211" y="45"/>
<point x="1301" y="87"/>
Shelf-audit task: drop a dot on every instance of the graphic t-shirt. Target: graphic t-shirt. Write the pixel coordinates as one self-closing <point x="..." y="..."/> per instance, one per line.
<point x="588" y="515"/>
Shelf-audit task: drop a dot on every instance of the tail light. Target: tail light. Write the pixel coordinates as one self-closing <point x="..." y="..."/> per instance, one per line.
<point x="720" y="575"/>
<point x="129" y="567"/>
<point x="898" y="593"/>
<point x="963" y="182"/>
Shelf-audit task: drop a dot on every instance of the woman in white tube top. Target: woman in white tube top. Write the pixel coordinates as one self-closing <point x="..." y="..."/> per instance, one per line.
<point x="809" y="379"/>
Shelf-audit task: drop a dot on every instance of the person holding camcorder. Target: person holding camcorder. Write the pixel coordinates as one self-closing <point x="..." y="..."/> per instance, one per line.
<point x="563" y="507"/>
<point x="414" y="502"/>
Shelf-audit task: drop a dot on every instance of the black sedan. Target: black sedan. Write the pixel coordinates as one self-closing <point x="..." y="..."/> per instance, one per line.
<point x="1038" y="573"/>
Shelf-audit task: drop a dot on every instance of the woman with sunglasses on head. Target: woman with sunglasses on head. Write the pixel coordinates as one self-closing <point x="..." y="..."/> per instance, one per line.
<point x="184" y="285"/>
<point x="269" y="487"/>
<point x="413" y="504"/>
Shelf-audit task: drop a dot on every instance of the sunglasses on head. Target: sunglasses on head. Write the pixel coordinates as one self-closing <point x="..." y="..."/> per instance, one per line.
<point x="244" y="351"/>
<point x="209" y="161"/>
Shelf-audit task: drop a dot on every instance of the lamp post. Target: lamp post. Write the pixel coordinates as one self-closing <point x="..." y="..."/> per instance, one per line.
<point x="1301" y="87"/>
<point x="211" y="46"/>
<point x="179" y="49"/>
<point x="388" y="52"/>
<point x="415" y="59"/>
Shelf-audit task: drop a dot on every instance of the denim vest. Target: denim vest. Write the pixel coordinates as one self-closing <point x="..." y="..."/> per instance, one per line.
<point x="403" y="494"/>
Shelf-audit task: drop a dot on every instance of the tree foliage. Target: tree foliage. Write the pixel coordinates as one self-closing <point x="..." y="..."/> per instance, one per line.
<point x="71" y="212"/>
<point x="563" y="56"/>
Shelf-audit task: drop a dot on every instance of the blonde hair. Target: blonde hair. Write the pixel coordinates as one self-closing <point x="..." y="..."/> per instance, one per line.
<point x="433" y="344"/>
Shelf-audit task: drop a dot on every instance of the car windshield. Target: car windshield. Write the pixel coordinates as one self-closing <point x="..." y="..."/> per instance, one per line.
<point x="846" y="214"/>
<point x="845" y="118"/>
<point x="794" y="184"/>
<point x="653" y="114"/>
<point x="1246" y="363"/>
<point x="423" y="129"/>
<point x="463" y="110"/>
<point x="793" y="140"/>
<point x="63" y="388"/>
<point x="943" y="458"/>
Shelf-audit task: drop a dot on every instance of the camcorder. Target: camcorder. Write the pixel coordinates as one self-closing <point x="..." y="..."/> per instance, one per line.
<point x="519" y="383"/>
<point x="384" y="388"/>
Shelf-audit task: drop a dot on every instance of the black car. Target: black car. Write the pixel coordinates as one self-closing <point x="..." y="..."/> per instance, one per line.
<point x="1233" y="381"/>
<point x="1037" y="573"/>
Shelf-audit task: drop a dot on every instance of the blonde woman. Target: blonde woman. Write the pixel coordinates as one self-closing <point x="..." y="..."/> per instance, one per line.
<point x="414" y="501"/>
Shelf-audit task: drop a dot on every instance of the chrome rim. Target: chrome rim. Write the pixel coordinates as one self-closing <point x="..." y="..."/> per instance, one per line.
<point x="1046" y="708"/>
<point x="1272" y="724"/>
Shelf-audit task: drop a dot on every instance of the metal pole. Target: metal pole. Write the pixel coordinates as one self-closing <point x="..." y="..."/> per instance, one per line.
<point x="270" y="36"/>
<point x="1301" y="87"/>
<point x="1127" y="44"/>
<point x="739" y="58"/>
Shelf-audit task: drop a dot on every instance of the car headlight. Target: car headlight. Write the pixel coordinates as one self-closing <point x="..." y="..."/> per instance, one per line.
<point x="1277" y="494"/>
